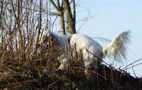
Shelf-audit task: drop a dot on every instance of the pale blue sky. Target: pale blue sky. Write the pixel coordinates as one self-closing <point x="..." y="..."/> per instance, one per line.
<point x="108" y="18"/>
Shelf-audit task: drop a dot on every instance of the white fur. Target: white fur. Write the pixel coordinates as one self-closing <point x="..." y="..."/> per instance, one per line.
<point x="92" y="49"/>
<point x="62" y="39"/>
<point x="117" y="47"/>
<point x="85" y="44"/>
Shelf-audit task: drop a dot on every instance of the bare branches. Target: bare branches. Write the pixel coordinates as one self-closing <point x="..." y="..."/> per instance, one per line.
<point x="71" y="17"/>
<point x="54" y="5"/>
<point x="58" y="3"/>
<point x="39" y="25"/>
<point x="13" y="9"/>
<point x="33" y="4"/>
<point x="133" y="63"/>
<point x="60" y="11"/>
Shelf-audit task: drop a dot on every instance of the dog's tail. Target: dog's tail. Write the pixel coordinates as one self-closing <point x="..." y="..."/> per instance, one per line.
<point x="117" y="47"/>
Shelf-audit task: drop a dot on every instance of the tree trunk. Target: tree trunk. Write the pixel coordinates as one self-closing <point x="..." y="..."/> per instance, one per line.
<point x="62" y="23"/>
<point x="70" y="18"/>
<point x="60" y="11"/>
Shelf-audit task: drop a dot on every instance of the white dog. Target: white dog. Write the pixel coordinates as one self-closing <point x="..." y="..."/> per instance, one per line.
<point x="91" y="50"/>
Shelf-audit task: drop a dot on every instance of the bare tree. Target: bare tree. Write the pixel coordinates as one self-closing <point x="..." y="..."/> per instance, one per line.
<point x="70" y="16"/>
<point x="65" y="6"/>
<point x="60" y="10"/>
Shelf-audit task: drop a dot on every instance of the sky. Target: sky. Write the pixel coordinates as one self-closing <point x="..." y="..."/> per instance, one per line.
<point x="108" y="18"/>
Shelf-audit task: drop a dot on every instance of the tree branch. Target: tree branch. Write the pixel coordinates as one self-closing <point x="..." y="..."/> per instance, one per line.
<point x="74" y="10"/>
<point x="39" y="25"/>
<point x="54" y="5"/>
<point x="58" y="3"/>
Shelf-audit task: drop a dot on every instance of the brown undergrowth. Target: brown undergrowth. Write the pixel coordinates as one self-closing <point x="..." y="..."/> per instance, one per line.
<point x="39" y="71"/>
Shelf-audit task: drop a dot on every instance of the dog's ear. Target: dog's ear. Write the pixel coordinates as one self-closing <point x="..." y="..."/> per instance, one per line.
<point x="55" y="40"/>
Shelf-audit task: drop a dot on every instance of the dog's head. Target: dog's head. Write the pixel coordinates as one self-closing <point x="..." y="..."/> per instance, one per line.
<point x="48" y="39"/>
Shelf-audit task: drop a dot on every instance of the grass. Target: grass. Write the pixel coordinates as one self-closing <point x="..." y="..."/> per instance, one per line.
<point x="39" y="71"/>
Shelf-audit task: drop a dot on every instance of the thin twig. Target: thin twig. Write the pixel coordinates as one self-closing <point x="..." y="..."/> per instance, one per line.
<point x="134" y="72"/>
<point x="97" y="57"/>
<point x="132" y="63"/>
<point x="135" y="65"/>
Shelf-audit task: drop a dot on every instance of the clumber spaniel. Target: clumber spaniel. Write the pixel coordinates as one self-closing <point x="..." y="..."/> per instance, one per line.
<point x="89" y="48"/>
